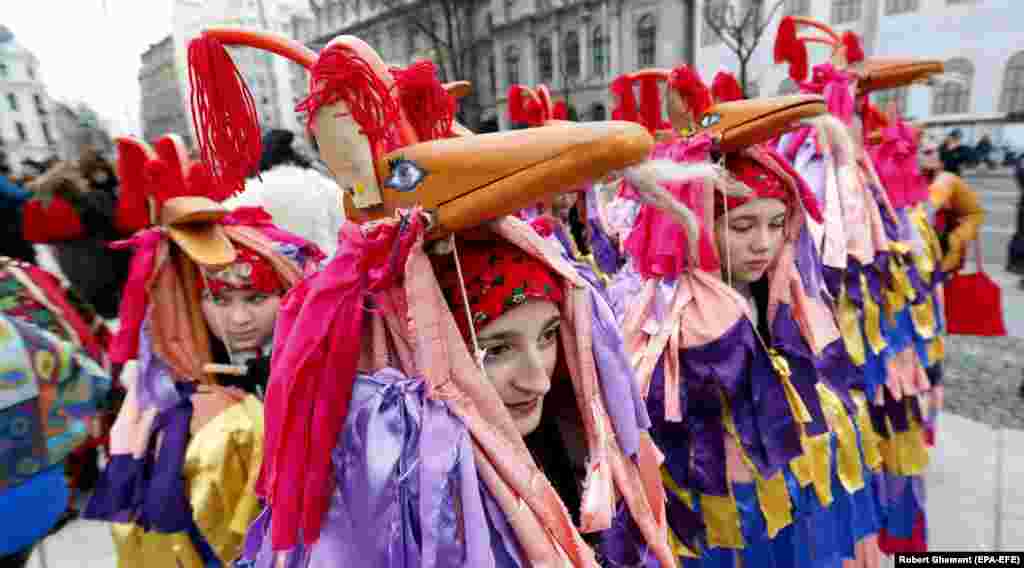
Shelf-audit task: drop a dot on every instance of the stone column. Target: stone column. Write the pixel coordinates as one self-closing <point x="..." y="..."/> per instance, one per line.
<point x="556" y="58"/>
<point x="502" y="86"/>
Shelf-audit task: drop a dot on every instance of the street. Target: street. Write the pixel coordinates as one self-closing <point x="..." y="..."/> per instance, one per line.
<point x="999" y="195"/>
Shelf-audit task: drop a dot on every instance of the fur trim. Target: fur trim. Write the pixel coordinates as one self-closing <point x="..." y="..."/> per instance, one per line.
<point x="300" y="201"/>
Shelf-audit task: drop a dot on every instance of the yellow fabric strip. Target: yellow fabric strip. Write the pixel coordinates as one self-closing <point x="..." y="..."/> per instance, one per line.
<point x="849" y="470"/>
<point x="772" y="494"/>
<point x="849" y="328"/>
<point x="796" y="404"/>
<point x="136" y="547"/>
<point x="722" y="519"/>
<point x="872" y="318"/>
<point x="678" y="548"/>
<point x="936" y="351"/>
<point x="905" y="453"/>
<point x="870" y="440"/>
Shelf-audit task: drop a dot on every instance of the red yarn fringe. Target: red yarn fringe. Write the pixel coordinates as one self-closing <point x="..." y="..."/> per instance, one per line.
<point x="691" y="87"/>
<point x="429" y="108"/>
<point x="789" y="49"/>
<point x="560" y="111"/>
<point x="339" y="74"/>
<point x="224" y="113"/>
<point x="854" y="49"/>
<point x="625" y="106"/>
<point x="725" y="88"/>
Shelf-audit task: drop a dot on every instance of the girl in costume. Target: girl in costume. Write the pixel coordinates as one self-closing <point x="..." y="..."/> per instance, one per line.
<point x="765" y="451"/>
<point x="887" y="308"/>
<point x="414" y="454"/>
<point x="196" y="325"/>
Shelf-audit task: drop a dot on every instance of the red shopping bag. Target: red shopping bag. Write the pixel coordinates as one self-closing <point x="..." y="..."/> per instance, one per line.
<point x="974" y="302"/>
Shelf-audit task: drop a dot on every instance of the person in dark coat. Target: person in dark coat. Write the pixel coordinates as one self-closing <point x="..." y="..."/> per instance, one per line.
<point x="953" y="153"/>
<point x="12" y="199"/>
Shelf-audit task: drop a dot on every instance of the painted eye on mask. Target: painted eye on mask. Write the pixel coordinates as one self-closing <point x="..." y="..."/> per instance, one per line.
<point x="405" y="175"/>
<point x="709" y="120"/>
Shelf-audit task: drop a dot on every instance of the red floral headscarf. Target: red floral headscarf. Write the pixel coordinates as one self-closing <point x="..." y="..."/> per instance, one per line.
<point x="498" y="277"/>
<point x="770" y="177"/>
<point x="249" y="271"/>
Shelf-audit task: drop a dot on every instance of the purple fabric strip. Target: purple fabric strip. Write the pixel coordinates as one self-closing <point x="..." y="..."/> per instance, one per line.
<point x="119" y="491"/>
<point x="156" y="381"/>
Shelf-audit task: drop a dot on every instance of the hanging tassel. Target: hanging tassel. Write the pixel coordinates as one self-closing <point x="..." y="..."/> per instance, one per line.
<point x="854" y="49"/>
<point x="625" y="107"/>
<point x="429" y="108"/>
<point x="789" y="49"/>
<point x="224" y="114"/>
<point x="200" y="182"/>
<point x="725" y="88"/>
<point x="691" y="87"/>
<point x="340" y="74"/>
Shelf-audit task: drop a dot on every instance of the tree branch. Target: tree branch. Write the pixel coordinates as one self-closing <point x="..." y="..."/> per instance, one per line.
<point x="771" y="16"/>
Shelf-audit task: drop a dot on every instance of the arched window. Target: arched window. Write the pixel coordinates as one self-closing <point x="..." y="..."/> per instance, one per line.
<point x="646" y="41"/>
<point x="571" y="50"/>
<point x="512" y="65"/>
<point x="598" y="112"/>
<point x="599" y="51"/>
<point x="1012" y="99"/>
<point x="544" y="61"/>
<point x="953" y="97"/>
<point x="788" y="87"/>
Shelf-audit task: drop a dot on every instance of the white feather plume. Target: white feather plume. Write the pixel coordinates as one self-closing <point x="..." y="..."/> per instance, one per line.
<point x="300" y="201"/>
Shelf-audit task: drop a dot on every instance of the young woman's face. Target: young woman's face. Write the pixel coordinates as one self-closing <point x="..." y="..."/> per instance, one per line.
<point x="521" y="352"/>
<point x="749" y="237"/>
<point x="243" y="319"/>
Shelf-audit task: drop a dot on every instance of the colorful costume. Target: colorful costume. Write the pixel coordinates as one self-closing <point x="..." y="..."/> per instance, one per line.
<point x="386" y="444"/>
<point x="185" y="495"/>
<point x="49" y="391"/>
<point x="883" y="280"/>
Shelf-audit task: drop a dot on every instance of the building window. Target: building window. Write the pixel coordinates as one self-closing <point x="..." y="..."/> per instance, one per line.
<point x="845" y="11"/>
<point x="40" y="109"/>
<point x="885" y="99"/>
<point x="12" y="101"/>
<point x="798" y="8"/>
<point x="715" y="12"/>
<point x="599" y="51"/>
<point x="510" y="6"/>
<point x="598" y="112"/>
<point x="646" y="41"/>
<point x="544" y="61"/>
<point x="788" y="87"/>
<point x="3" y="70"/>
<point x="954" y="97"/>
<point x="900" y="6"/>
<point x="46" y="134"/>
<point x="1012" y="99"/>
<point x="22" y="134"/>
<point x="31" y="72"/>
<point x="512" y="65"/>
<point x="572" y="54"/>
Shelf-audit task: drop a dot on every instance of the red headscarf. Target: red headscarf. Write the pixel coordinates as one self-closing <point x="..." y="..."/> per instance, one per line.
<point x="770" y="177"/>
<point x="498" y="277"/>
<point x="250" y="271"/>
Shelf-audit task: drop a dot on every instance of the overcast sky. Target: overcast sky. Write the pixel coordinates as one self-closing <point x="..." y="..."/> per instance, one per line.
<point x="89" y="50"/>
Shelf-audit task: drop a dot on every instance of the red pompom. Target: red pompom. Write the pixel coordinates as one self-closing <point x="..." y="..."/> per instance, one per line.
<point x="516" y="110"/>
<point x="854" y="50"/>
<point x="560" y="111"/>
<point x="789" y="49"/>
<point x="132" y="204"/>
<point x="429" y="108"/>
<point x="725" y="88"/>
<point x="650" y="104"/>
<point x="691" y="87"/>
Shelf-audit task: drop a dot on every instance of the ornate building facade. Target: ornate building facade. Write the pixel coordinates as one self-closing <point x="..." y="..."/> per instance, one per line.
<point x="27" y="124"/>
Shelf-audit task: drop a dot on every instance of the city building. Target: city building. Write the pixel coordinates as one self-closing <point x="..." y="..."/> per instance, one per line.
<point x="78" y="127"/>
<point x="27" y="125"/>
<point x="163" y="106"/>
<point x="578" y="46"/>
<point x="268" y="76"/>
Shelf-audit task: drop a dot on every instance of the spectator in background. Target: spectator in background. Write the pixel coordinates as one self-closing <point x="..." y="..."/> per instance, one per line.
<point x="12" y="198"/>
<point x="953" y="153"/>
<point x="1015" y="263"/>
<point x="983" y="152"/>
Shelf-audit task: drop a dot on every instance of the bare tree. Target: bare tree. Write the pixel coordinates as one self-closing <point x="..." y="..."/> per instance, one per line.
<point x="740" y="34"/>
<point x="448" y="27"/>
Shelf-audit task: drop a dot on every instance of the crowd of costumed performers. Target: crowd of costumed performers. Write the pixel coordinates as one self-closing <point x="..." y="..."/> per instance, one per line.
<point x="706" y="332"/>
